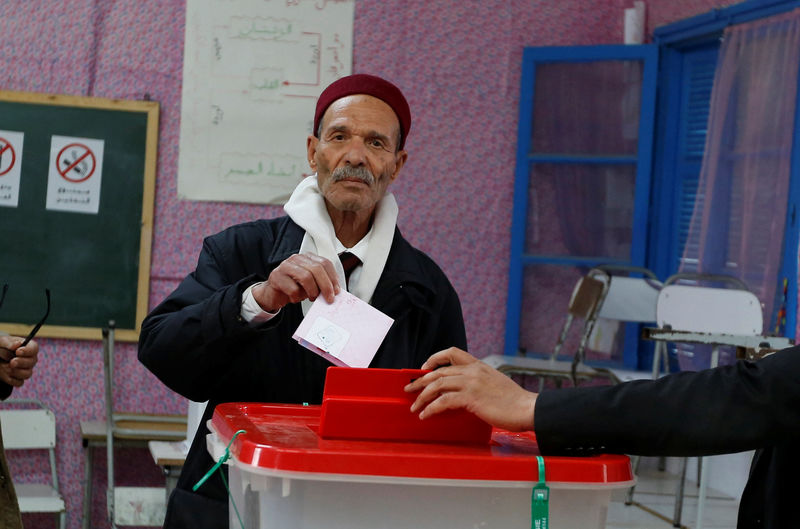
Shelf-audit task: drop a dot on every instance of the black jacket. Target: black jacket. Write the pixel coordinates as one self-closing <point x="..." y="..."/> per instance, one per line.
<point x="197" y="343"/>
<point x="745" y="406"/>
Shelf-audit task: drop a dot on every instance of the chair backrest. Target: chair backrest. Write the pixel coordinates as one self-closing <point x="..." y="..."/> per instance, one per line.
<point x="587" y="295"/>
<point x="610" y="293"/>
<point x="34" y="428"/>
<point x="627" y="299"/>
<point x="630" y="299"/>
<point x="709" y="309"/>
<point x="28" y="428"/>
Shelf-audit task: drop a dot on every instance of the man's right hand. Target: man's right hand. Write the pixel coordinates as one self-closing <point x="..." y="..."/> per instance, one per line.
<point x="462" y="381"/>
<point x="301" y="276"/>
<point x="19" y="361"/>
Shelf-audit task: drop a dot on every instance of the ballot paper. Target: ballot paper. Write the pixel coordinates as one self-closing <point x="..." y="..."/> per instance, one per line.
<point x="346" y="332"/>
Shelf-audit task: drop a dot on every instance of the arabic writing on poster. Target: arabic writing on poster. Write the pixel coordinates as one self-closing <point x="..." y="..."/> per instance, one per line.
<point x="253" y="70"/>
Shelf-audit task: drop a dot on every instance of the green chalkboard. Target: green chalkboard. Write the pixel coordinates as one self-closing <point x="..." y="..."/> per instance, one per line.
<point x="96" y="264"/>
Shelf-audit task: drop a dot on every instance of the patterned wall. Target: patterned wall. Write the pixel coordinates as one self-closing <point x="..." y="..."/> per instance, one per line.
<point x="661" y="12"/>
<point x="456" y="60"/>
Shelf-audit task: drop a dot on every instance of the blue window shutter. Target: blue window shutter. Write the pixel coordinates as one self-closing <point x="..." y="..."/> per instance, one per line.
<point x="698" y="67"/>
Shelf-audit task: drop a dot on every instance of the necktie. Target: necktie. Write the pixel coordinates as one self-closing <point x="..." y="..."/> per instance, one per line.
<point x="349" y="262"/>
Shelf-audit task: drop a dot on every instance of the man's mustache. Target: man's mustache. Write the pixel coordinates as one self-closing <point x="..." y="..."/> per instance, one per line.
<point x="360" y="173"/>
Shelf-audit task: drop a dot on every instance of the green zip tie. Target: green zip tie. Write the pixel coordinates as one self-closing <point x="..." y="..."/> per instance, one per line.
<point x="540" y="500"/>
<point x="218" y="464"/>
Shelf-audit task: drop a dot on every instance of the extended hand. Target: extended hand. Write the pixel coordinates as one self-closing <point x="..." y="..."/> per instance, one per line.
<point x="20" y="361"/>
<point x="470" y="384"/>
<point x="301" y="276"/>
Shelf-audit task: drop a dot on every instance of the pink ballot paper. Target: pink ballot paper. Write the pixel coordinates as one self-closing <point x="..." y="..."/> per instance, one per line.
<point x="346" y="332"/>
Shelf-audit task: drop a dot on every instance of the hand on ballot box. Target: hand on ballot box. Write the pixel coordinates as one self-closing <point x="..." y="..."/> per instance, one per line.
<point x="459" y="380"/>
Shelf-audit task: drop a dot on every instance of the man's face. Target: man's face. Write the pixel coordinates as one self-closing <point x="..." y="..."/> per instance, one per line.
<point x="356" y="155"/>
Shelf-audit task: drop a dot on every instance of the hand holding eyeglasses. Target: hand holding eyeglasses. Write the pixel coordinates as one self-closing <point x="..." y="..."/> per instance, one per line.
<point x="18" y="360"/>
<point x="24" y="349"/>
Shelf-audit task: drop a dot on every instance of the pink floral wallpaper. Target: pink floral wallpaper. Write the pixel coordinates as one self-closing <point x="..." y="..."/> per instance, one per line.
<point x="458" y="63"/>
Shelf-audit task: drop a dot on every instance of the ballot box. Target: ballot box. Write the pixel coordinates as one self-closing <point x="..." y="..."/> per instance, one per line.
<point x="362" y="460"/>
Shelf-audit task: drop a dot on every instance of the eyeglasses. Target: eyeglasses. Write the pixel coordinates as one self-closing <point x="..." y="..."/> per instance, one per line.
<point x="37" y="326"/>
<point x="41" y="322"/>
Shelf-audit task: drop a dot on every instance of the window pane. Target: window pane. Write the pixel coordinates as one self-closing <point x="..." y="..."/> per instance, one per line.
<point x="587" y="108"/>
<point x="581" y="210"/>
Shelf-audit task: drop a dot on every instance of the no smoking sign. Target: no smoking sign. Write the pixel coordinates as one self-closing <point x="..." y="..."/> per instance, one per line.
<point x="76" y="163"/>
<point x="8" y="156"/>
<point x="75" y="176"/>
<point x="10" y="163"/>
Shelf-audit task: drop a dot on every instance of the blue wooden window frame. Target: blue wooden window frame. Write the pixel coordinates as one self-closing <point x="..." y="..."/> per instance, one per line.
<point x="648" y="54"/>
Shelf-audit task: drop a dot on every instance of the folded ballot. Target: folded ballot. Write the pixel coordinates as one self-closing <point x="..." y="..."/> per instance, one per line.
<point x="346" y="332"/>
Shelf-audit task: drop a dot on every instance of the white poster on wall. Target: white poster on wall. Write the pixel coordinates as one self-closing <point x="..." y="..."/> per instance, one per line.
<point x="10" y="163"/>
<point x="252" y="73"/>
<point x="75" y="174"/>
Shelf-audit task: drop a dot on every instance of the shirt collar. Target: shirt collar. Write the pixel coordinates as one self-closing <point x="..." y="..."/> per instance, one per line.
<point x="360" y="248"/>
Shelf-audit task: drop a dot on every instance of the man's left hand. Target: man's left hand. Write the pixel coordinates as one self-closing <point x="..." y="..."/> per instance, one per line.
<point x="19" y="361"/>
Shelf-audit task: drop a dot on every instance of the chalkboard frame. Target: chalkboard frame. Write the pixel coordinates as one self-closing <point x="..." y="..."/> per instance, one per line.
<point x="150" y="111"/>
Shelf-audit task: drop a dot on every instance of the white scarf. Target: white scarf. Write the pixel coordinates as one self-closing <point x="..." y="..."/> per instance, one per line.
<point x="306" y="207"/>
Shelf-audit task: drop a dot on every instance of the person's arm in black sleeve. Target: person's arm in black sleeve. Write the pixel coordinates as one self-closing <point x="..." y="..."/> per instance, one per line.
<point x="189" y="339"/>
<point x="728" y="409"/>
<point x="198" y="342"/>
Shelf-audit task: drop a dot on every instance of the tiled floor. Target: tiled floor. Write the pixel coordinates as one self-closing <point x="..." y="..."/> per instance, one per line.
<point x="655" y="500"/>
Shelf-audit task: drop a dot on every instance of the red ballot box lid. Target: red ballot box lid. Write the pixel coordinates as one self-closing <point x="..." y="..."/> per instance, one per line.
<point x="286" y="438"/>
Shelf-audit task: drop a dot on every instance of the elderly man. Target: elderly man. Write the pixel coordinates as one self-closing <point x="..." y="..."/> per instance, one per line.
<point x="225" y="334"/>
<point x="16" y="366"/>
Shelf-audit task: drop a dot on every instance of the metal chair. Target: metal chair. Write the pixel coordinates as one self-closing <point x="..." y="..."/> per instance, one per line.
<point x="34" y="429"/>
<point x="689" y="312"/>
<point x="131" y="429"/>
<point x="614" y="293"/>
<point x="627" y="299"/>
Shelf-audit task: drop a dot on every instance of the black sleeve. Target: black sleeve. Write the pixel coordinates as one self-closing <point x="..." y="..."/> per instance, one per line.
<point x="5" y="390"/>
<point x="744" y="406"/>
<point x="451" y="331"/>
<point x="189" y="339"/>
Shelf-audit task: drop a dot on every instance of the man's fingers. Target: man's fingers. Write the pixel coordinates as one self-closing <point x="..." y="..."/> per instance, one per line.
<point x="453" y="356"/>
<point x="13" y="381"/>
<point x="22" y="374"/>
<point x="439" y="383"/>
<point x="444" y="402"/>
<point x="286" y="287"/>
<point x="10" y="342"/>
<point x="428" y="378"/>
<point x="6" y="354"/>
<point x="305" y="276"/>
<point x="31" y="350"/>
<point x="23" y="362"/>
<point x="438" y="359"/>
<point x="324" y="275"/>
<point x="293" y="279"/>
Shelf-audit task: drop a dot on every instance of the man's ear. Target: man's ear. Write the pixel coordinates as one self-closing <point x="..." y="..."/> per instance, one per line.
<point x="400" y="158"/>
<point x="311" y="149"/>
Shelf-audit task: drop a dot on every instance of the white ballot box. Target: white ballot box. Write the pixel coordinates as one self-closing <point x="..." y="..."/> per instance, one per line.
<point x="283" y="473"/>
